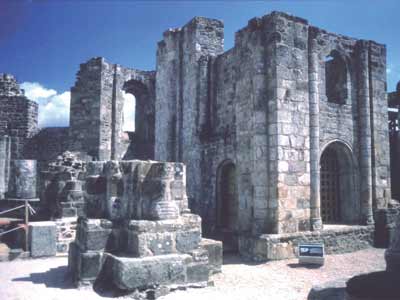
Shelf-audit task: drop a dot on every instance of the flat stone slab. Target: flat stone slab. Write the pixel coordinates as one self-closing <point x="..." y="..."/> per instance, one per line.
<point x="141" y="273"/>
<point x="42" y="238"/>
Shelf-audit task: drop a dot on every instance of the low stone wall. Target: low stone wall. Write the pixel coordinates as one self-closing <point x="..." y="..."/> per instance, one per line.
<point x="336" y="238"/>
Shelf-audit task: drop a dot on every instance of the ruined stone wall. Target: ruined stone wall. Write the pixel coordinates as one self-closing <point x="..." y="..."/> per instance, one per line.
<point x="97" y="112"/>
<point x="394" y="125"/>
<point x="85" y="118"/>
<point x="379" y="118"/>
<point x="264" y="106"/>
<point x="18" y="115"/>
<point x="47" y="144"/>
<point x="182" y="89"/>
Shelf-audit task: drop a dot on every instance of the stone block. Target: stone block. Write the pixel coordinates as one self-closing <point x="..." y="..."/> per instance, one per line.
<point x="84" y="266"/>
<point x="214" y="250"/>
<point x="150" y="244"/>
<point x="197" y="272"/>
<point x="90" y="265"/>
<point x="187" y="240"/>
<point x="42" y="238"/>
<point x="93" y="234"/>
<point x="140" y="273"/>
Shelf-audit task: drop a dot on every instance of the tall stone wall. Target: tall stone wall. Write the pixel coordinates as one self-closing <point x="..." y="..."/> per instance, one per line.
<point x="264" y="106"/>
<point x="394" y="127"/>
<point x="182" y="89"/>
<point x="96" y="118"/>
<point x="85" y="118"/>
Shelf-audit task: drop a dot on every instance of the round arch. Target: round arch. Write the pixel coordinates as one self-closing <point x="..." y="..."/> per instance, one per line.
<point x="339" y="184"/>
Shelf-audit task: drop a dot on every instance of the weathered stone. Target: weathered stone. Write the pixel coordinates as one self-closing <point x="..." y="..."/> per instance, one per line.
<point x="42" y="238"/>
<point x="214" y="250"/>
<point x="150" y="244"/>
<point x="84" y="266"/>
<point x="336" y="239"/>
<point x="140" y="273"/>
<point x="187" y="240"/>
<point x="23" y="179"/>
<point x="93" y="234"/>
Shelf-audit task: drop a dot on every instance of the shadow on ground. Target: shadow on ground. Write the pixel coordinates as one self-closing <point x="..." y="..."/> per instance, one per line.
<point x="305" y="266"/>
<point x="53" y="278"/>
<point x="235" y="259"/>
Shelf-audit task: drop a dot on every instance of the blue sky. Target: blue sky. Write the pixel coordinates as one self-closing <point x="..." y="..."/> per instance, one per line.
<point x="44" y="42"/>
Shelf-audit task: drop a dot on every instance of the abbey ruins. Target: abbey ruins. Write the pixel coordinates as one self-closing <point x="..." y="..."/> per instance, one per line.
<point x="282" y="136"/>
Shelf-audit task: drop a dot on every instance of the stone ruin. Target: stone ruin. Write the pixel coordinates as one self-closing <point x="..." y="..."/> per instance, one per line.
<point x="139" y="233"/>
<point x="285" y="136"/>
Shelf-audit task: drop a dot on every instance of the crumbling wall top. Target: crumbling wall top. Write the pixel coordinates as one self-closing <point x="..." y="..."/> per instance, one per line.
<point x="9" y="86"/>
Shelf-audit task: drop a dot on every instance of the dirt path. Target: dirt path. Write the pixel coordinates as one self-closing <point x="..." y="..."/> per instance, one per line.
<point x="46" y="279"/>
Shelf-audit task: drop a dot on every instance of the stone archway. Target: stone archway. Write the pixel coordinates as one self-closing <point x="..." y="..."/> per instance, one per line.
<point x="339" y="198"/>
<point x="227" y="205"/>
<point x="142" y="139"/>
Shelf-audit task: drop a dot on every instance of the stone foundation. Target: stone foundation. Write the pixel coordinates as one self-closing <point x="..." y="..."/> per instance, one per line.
<point x="336" y="239"/>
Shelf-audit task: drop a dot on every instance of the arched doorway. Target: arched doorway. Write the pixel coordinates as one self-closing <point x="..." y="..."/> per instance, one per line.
<point x="227" y="205"/>
<point x="339" y="197"/>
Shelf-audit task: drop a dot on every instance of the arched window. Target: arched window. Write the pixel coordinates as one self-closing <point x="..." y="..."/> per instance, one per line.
<point x="336" y="82"/>
<point x="128" y="116"/>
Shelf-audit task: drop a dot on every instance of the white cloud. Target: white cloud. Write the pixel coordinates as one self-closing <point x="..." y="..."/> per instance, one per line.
<point x="129" y="112"/>
<point x="35" y="91"/>
<point x="53" y="107"/>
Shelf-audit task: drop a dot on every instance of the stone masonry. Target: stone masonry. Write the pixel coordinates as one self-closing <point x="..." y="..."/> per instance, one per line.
<point x="394" y="134"/>
<point x="139" y="234"/>
<point x="281" y="134"/>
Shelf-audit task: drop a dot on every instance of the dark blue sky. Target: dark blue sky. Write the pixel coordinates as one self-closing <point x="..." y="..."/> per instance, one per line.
<point x="45" y="41"/>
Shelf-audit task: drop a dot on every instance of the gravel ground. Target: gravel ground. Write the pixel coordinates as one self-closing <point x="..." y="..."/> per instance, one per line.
<point x="46" y="279"/>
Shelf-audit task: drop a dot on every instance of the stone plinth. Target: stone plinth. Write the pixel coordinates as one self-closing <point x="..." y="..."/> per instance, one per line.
<point x="42" y="238"/>
<point x="148" y="238"/>
<point x="139" y="233"/>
